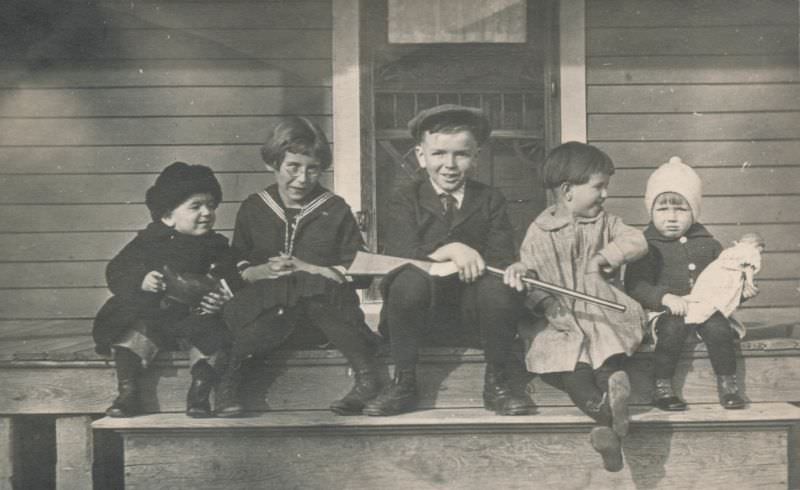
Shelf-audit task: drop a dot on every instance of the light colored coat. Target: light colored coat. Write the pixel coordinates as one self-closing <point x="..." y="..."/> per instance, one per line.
<point x="558" y="251"/>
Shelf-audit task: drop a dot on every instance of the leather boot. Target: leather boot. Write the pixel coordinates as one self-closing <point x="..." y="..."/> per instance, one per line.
<point x="729" y="392"/>
<point x="366" y="387"/>
<point x="127" y="403"/>
<point x="606" y="442"/>
<point x="203" y="379"/>
<point x="500" y="397"/>
<point x="398" y="397"/>
<point x="664" y="396"/>
<point x="226" y="402"/>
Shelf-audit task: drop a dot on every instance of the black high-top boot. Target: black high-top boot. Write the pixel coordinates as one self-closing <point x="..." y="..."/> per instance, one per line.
<point x="127" y="403"/>
<point x="501" y="396"/>
<point x="729" y="392"/>
<point x="664" y="396"/>
<point x="203" y="379"/>
<point x="227" y="402"/>
<point x="366" y="387"/>
<point x="400" y="396"/>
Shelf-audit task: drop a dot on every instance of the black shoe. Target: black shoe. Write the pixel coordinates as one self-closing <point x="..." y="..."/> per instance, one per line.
<point x="203" y="379"/>
<point x="606" y="442"/>
<point x="670" y="404"/>
<point x="127" y="403"/>
<point x="399" y="397"/>
<point x="226" y="402"/>
<point x="366" y="387"/>
<point x="729" y="396"/>
<point x="500" y="397"/>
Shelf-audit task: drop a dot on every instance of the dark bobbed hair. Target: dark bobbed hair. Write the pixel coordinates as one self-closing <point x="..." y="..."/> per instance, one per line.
<point x="296" y="135"/>
<point x="574" y="163"/>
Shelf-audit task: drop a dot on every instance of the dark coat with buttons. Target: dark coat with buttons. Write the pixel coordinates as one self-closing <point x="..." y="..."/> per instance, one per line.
<point x="153" y="248"/>
<point x="671" y="265"/>
<point x="416" y="227"/>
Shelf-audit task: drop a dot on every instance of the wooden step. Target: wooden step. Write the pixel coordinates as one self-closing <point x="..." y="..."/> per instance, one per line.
<point x="704" y="447"/>
<point x="769" y="371"/>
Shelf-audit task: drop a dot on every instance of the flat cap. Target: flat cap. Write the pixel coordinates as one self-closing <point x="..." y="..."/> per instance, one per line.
<point x="450" y="114"/>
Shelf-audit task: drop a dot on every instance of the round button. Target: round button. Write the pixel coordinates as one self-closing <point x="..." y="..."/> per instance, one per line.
<point x="692" y="267"/>
<point x="683" y="239"/>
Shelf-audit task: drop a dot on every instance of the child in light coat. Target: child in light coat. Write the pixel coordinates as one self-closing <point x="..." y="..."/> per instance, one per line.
<point x="577" y="346"/>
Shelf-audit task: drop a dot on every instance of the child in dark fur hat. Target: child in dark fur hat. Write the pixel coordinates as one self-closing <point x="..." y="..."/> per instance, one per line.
<point x="139" y="319"/>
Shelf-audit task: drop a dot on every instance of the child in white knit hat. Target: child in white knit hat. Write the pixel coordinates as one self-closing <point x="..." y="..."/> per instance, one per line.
<point x="680" y="248"/>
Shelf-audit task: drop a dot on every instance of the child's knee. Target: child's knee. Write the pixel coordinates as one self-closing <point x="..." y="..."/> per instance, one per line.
<point x="410" y="289"/>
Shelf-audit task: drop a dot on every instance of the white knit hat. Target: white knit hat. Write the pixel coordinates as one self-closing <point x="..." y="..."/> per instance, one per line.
<point x="675" y="176"/>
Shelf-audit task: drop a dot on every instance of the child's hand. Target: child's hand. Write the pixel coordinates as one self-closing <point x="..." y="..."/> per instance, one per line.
<point x="214" y="301"/>
<point x="554" y="311"/>
<point x="469" y="262"/>
<point x="275" y="268"/>
<point x="513" y="275"/>
<point x="749" y="291"/>
<point x="675" y="304"/>
<point x="153" y="282"/>
<point x="598" y="265"/>
<point x="326" y="272"/>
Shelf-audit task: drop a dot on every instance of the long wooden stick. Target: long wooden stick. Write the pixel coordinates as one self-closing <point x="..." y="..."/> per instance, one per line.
<point x="564" y="291"/>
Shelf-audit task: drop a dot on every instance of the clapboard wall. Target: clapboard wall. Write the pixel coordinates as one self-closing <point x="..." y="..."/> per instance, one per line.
<point x="97" y="97"/>
<point x="715" y="82"/>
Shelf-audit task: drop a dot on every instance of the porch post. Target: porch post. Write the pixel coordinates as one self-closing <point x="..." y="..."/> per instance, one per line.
<point x="74" y="452"/>
<point x="572" y="42"/>
<point x="346" y="101"/>
<point x="6" y="452"/>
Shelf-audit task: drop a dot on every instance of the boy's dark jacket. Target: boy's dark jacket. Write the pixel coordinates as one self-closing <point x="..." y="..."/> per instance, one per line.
<point x="153" y="248"/>
<point x="670" y="266"/>
<point x="417" y="227"/>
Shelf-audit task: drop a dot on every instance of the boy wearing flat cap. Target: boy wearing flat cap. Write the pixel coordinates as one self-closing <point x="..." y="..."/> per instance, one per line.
<point x="446" y="216"/>
<point x="139" y="319"/>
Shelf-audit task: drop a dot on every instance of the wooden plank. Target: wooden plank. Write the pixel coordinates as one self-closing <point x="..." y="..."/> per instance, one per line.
<point x="701" y="13"/>
<point x="572" y="67"/>
<point x="455" y="450"/>
<point x="37" y="329"/>
<point x="140" y="131"/>
<point x="717" y="181"/>
<point x="7" y="456"/>
<point x="122" y="189"/>
<point x="147" y="73"/>
<point x="165" y="101"/>
<point x="691" y="41"/>
<point x="742" y="154"/>
<point x="778" y="237"/>
<point x="694" y="69"/>
<point x="74" y="452"/>
<point x="52" y="303"/>
<point x="699" y="126"/>
<point x="769" y="371"/>
<point x="78" y="41"/>
<point x="301" y="14"/>
<point x="693" y="98"/>
<point x="719" y="210"/>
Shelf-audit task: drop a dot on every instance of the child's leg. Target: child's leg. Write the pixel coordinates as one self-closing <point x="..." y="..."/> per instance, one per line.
<point x="612" y="380"/>
<point x="344" y="325"/>
<point x="719" y="337"/>
<point x="671" y="331"/>
<point x="128" y="365"/>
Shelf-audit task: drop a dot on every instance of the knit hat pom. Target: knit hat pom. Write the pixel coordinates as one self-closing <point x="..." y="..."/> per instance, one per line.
<point x="675" y="176"/>
<point x="177" y="183"/>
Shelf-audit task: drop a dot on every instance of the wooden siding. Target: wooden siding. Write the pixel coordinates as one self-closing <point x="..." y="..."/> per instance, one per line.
<point x="97" y="97"/>
<point x="717" y="83"/>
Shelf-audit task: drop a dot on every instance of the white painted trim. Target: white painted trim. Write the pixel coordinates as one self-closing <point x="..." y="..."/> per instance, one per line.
<point x="346" y="102"/>
<point x="572" y="42"/>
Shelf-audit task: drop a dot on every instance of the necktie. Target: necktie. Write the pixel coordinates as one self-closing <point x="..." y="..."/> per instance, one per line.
<point x="450" y="205"/>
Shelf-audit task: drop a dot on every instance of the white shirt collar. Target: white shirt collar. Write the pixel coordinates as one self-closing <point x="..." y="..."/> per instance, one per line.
<point x="458" y="194"/>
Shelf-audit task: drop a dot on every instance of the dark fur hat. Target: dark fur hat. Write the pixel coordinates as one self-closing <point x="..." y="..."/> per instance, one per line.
<point x="450" y="115"/>
<point x="177" y="183"/>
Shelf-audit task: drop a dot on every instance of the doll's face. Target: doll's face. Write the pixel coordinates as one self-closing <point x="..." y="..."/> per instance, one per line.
<point x="297" y="176"/>
<point x="672" y="215"/>
<point x="447" y="157"/>
<point x="586" y="200"/>
<point x="194" y="216"/>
